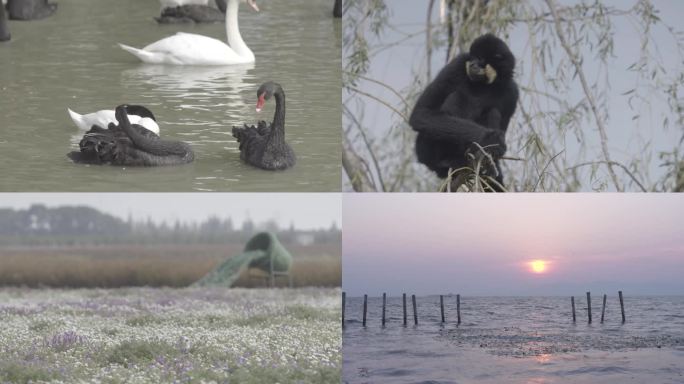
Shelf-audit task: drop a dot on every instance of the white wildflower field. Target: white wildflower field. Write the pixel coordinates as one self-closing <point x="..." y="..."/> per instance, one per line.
<point x="156" y="335"/>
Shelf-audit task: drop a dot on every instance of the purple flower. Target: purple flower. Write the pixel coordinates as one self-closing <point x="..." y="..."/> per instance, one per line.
<point x="65" y="340"/>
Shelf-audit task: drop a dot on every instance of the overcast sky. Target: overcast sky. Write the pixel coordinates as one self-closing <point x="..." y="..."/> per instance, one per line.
<point x="477" y="244"/>
<point x="305" y="210"/>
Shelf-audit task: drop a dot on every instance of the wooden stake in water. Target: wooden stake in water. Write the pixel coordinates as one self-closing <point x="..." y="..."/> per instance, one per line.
<point x="458" y="309"/>
<point x="384" y="301"/>
<point x="572" y="300"/>
<point x="441" y="306"/>
<point x="622" y="306"/>
<point x="603" y="309"/>
<point x="344" y="299"/>
<point x="365" y="307"/>
<point x="404" y="309"/>
<point x="589" y="306"/>
<point x="415" y="311"/>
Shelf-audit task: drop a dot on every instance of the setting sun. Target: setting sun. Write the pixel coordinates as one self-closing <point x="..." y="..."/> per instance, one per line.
<point x="538" y="266"/>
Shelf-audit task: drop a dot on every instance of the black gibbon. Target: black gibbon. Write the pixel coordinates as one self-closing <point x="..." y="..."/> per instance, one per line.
<point x="470" y="101"/>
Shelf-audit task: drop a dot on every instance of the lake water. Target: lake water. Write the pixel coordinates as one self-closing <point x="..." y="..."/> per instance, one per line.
<point x="71" y="60"/>
<point x="516" y="340"/>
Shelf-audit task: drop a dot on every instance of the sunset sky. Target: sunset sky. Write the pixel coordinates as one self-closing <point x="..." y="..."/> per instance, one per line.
<point x="520" y="244"/>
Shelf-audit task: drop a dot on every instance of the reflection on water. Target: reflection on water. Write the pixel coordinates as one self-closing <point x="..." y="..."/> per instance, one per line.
<point x="72" y="60"/>
<point x="543" y="358"/>
<point x="196" y="88"/>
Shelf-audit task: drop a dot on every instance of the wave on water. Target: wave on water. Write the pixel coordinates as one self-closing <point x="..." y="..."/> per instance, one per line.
<point x="518" y="343"/>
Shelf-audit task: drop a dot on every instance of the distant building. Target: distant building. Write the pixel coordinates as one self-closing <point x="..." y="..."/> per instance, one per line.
<point x="304" y="238"/>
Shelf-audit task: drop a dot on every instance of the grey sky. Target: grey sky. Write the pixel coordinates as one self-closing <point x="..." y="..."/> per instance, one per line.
<point x="305" y="210"/>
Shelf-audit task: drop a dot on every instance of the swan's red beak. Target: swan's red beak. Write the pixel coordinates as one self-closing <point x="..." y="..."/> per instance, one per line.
<point x="260" y="102"/>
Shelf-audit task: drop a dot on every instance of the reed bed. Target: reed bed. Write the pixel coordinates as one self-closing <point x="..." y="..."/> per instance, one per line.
<point x="178" y="265"/>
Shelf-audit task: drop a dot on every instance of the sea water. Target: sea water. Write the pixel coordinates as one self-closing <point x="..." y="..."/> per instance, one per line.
<point x="516" y="340"/>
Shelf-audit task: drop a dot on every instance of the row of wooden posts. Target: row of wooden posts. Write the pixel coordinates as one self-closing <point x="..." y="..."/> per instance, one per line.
<point x="458" y="308"/>
<point x="415" y="310"/>
<point x="603" y="308"/>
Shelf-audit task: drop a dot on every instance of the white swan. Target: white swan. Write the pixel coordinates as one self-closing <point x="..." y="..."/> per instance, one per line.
<point x="104" y="117"/>
<point x="191" y="49"/>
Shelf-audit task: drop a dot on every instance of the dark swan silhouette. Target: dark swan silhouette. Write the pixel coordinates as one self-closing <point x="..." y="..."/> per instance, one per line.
<point x="337" y="8"/>
<point x="264" y="145"/>
<point x="130" y="145"/>
<point x="4" y="28"/>
<point x="30" y="9"/>
<point x="193" y="13"/>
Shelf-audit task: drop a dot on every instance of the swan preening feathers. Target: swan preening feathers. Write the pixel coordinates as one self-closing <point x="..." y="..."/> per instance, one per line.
<point x="264" y="145"/>
<point x="191" y="49"/>
<point x="129" y="144"/>
<point x="129" y="136"/>
<point x="137" y="114"/>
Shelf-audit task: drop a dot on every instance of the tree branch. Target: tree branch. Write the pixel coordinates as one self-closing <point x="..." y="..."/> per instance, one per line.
<point x="627" y="171"/>
<point x="587" y="91"/>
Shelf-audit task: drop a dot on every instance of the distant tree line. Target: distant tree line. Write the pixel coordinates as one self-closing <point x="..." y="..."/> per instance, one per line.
<point x="71" y="225"/>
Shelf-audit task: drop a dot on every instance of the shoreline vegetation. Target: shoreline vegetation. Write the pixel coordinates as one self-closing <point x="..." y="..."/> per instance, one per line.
<point x="172" y="265"/>
<point x="83" y="247"/>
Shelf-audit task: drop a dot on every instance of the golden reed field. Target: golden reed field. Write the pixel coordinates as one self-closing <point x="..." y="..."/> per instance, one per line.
<point x="174" y="265"/>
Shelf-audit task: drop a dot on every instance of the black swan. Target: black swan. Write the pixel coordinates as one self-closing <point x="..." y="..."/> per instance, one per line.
<point x="337" y="8"/>
<point x="264" y="146"/>
<point x="129" y="144"/>
<point x="4" y="28"/>
<point x="30" y="9"/>
<point x="193" y="13"/>
<point x="137" y="115"/>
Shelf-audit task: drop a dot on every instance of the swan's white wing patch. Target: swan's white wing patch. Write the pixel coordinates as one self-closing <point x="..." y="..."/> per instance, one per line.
<point x="189" y="48"/>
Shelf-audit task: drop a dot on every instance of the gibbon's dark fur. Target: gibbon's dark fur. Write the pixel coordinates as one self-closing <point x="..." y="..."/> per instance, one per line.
<point x="464" y="105"/>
